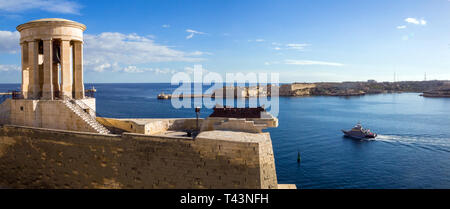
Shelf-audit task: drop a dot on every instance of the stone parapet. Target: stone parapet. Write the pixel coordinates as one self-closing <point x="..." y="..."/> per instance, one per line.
<point x="50" y="114"/>
<point x="46" y="158"/>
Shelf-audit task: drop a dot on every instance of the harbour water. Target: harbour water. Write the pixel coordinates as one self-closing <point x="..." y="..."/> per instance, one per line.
<point x="411" y="151"/>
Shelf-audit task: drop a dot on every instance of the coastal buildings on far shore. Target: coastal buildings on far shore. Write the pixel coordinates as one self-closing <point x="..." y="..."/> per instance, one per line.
<point x="327" y="89"/>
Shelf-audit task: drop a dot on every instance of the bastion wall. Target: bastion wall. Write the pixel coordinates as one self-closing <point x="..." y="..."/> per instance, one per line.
<point x="44" y="113"/>
<point x="5" y="112"/>
<point x="46" y="158"/>
<point x="296" y="89"/>
<point x="151" y="126"/>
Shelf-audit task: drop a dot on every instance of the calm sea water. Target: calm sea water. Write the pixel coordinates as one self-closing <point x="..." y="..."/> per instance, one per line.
<point x="412" y="150"/>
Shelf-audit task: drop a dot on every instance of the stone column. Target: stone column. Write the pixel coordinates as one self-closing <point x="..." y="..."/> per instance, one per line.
<point x="33" y="68"/>
<point x="47" y="91"/>
<point x="55" y="77"/>
<point x="55" y="71"/>
<point x="78" y="70"/>
<point x="66" y="76"/>
<point x="25" y="70"/>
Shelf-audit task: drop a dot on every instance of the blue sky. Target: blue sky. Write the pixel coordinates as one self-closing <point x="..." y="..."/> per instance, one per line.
<point x="303" y="40"/>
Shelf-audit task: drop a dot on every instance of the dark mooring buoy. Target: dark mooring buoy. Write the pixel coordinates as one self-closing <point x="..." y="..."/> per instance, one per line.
<point x="298" y="157"/>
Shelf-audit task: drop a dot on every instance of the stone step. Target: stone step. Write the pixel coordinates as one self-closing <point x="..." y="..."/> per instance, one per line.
<point x="76" y="108"/>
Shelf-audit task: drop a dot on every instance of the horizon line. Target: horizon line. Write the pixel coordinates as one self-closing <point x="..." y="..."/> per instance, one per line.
<point x="253" y="83"/>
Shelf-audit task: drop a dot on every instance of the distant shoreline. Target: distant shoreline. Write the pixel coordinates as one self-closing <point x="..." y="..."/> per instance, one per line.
<point x="428" y="88"/>
<point x="363" y="88"/>
<point x="281" y="83"/>
<point x="434" y="88"/>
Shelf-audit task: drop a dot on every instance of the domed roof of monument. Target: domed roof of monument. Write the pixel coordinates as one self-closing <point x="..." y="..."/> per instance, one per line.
<point x="50" y="21"/>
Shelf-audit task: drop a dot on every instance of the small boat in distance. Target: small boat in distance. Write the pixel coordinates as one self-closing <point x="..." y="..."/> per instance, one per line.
<point x="358" y="132"/>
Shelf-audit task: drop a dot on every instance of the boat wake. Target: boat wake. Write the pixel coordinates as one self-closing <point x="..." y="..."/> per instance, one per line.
<point x="422" y="141"/>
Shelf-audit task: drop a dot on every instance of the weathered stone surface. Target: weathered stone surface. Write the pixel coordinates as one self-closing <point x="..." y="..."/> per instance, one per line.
<point x="287" y="186"/>
<point x="51" y="28"/>
<point x="45" y="114"/>
<point x="5" y="112"/>
<point x="250" y="125"/>
<point x="151" y="126"/>
<point x="41" y="41"/>
<point x="44" y="158"/>
<point x="296" y="89"/>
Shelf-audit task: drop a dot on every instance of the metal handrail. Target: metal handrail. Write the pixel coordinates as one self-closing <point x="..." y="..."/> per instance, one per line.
<point x="13" y="94"/>
<point x="105" y="122"/>
<point x="4" y="97"/>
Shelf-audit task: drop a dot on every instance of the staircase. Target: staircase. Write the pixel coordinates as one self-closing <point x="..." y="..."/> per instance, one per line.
<point x="91" y="121"/>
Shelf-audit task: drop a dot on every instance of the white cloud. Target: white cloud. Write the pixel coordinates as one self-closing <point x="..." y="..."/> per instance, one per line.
<point x="271" y="63"/>
<point x="165" y="26"/>
<point x="293" y="46"/>
<point x="257" y="40"/>
<point x="192" y="33"/>
<point x="100" y="67"/>
<point x="416" y="21"/>
<point x="310" y="62"/>
<point x="296" y="46"/>
<point x="56" y="6"/>
<point x="279" y="46"/>
<point x="401" y="27"/>
<point x="199" y="53"/>
<point x="190" y="70"/>
<point x="4" y="68"/>
<point x="9" y="42"/>
<point x="164" y="71"/>
<point x="134" y="69"/>
<point x="110" y="51"/>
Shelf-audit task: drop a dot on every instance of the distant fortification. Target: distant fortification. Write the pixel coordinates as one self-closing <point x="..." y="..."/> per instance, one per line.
<point x="296" y="89"/>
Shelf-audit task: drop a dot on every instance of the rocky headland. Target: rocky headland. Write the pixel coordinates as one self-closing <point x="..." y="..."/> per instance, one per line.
<point x="435" y="88"/>
<point x="361" y="88"/>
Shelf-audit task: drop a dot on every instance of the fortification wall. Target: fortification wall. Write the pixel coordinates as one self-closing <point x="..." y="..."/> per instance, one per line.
<point x="249" y="125"/>
<point x="44" y="158"/>
<point x="5" y="112"/>
<point x="151" y="126"/>
<point x="296" y="89"/>
<point x="267" y="163"/>
<point x="297" y="86"/>
<point x="128" y="126"/>
<point x="184" y="123"/>
<point x="46" y="114"/>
